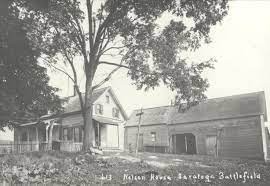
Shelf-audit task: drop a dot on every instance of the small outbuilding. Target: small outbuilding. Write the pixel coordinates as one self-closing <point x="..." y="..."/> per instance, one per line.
<point x="231" y="126"/>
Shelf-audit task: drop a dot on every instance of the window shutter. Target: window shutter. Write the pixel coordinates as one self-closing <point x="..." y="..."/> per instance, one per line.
<point x="101" y="109"/>
<point x="96" y="109"/>
<point x="113" y="112"/>
<point x="117" y="113"/>
<point x="107" y="99"/>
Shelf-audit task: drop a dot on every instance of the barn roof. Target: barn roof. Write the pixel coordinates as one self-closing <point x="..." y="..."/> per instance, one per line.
<point x="242" y="105"/>
<point x="150" y="116"/>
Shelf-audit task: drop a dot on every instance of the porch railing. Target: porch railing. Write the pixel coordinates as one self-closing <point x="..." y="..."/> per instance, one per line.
<point x="23" y="147"/>
<point x="70" y="146"/>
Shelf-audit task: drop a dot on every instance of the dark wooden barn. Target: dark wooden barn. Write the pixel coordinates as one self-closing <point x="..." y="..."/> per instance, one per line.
<point x="231" y="126"/>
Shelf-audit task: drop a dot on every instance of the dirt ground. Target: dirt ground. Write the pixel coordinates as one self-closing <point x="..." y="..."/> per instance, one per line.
<point x="60" y="168"/>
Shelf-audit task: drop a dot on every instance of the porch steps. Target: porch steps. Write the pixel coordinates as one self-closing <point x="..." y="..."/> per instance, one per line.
<point x="111" y="150"/>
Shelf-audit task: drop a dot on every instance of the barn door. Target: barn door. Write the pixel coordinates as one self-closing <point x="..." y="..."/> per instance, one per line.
<point x="211" y="145"/>
<point x="191" y="144"/>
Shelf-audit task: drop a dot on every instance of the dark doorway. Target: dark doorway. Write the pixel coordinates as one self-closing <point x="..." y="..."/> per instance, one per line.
<point x="184" y="143"/>
<point x="180" y="144"/>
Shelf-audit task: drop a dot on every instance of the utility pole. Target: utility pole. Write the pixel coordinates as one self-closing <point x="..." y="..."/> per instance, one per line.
<point x="139" y="126"/>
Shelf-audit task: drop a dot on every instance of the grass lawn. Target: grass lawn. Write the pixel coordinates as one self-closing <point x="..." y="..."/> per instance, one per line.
<point x="61" y="168"/>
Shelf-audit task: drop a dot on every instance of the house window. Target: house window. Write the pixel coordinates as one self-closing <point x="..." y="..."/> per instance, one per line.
<point x="99" y="109"/>
<point x="115" y="112"/>
<point x="107" y="99"/>
<point x="153" y="136"/>
<point x="65" y="134"/>
<point x="77" y="134"/>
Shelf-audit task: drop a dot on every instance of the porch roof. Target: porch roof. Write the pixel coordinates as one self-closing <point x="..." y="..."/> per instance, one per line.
<point x="26" y="124"/>
<point x="106" y="120"/>
<point x="38" y="122"/>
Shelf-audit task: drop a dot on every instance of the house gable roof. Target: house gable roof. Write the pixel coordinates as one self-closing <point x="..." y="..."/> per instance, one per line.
<point x="212" y="109"/>
<point x="73" y="104"/>
<point x="117" y="102"/>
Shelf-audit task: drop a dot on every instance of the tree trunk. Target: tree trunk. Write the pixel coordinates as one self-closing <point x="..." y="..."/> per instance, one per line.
<point x="89" y="132"/>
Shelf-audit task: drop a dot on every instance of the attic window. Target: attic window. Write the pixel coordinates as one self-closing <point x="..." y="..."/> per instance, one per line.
<point x="115" y="112"/>
<point x="99" y="109"/>
<point x="107" y="99"/>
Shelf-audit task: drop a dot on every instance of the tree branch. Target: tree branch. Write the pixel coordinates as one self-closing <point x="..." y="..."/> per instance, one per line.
<point x="114" y="64"/>
<point x="72" y="66"/>
<point x="89" y="10"/>
<point x="106" y="79"/>
<point x="103" y="51"/>
<point x="59" y="69"/>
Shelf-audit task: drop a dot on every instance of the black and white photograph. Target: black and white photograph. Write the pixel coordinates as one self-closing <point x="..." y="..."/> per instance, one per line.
<point x="134" y="92"/>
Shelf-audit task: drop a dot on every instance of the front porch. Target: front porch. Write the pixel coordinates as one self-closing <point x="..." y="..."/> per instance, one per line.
<point x="36" y="136"/>
<point x="52" y="135"/>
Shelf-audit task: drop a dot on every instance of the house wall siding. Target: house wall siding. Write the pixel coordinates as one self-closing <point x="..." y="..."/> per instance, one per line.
<point x="161" y="135"/>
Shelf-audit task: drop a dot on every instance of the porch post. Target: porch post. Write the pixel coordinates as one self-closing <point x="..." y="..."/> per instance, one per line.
<point x="18" y="136"/>
<point x="47" y="137"/>
<point x="118" y="134"/>
<point x="94" y="139"/>
<point x="47" y="127"/>
<point x="98" y="135"/>
<point x="27" y="145"/>
<point x="50" y="135"/>
<point x="37" y="140"/>
<point x="27" y="132"/>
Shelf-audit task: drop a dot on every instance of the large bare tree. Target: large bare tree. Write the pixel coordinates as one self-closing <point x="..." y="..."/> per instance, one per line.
<point x="153" y="54"/>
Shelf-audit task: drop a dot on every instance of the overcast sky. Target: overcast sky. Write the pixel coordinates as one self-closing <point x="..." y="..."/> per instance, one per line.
<point x="240" y="45"/>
